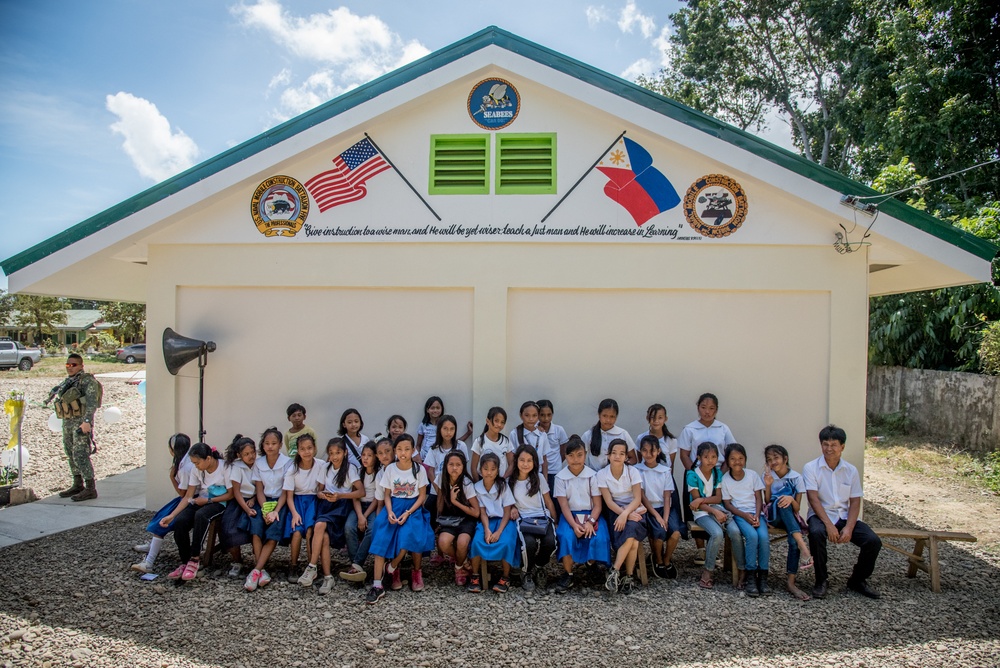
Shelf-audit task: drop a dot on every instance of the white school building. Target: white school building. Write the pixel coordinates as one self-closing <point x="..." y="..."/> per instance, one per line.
<point x="692" y="258"/>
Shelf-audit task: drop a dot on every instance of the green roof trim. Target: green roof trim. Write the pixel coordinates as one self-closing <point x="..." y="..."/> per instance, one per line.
<point x="542" y="55"/>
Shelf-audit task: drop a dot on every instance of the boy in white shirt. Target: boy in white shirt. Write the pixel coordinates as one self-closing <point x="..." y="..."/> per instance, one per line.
<point x="833" y="488"/>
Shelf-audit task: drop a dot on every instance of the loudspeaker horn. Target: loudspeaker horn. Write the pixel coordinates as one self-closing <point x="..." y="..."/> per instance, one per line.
<point x="179" y="350"/>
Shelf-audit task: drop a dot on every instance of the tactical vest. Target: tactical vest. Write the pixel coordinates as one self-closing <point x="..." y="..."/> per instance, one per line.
<point x="69" y="404"/>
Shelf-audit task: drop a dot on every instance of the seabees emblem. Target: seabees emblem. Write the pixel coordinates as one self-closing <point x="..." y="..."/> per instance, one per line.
<point x="279" y="206"/>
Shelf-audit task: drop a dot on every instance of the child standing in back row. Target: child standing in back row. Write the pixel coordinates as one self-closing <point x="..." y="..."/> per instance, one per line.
<point x="297" y="417"/>
<point x="555" y="453"/>
<point x="493" y="440"/>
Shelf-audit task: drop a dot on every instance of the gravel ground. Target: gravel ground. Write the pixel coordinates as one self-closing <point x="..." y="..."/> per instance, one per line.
<point x="120" y="447"/>
<point x="71" y="600"/>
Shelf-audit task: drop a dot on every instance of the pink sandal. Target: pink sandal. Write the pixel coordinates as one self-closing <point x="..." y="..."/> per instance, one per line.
<point x="807" y="564"/>
<point x="705" y="584"/>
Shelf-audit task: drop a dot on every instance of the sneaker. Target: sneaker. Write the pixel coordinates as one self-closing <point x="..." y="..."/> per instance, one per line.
<point x="235" y="570"/>
<point x="699" y="557"/>
<point x="396" y="578"/>
<point x="627" y="585"/>
<point x="416" y="580"/>
<point x="502" y="585"/>
<point x="252" y="581"/>
<point x="437" y="559"/>
<point x="327" y="585"/>
<point x="611" y="583"/>
<point x="660" y="571"/>
<point x="671" y="572"/>
<point x="461" y="576"/>
<point x="528" y="582"/>
<point x="308" y="576"/>
<point x="143" y="548"/>
<point x="353" y="574"/>
<point x="293" y="574"/>
<point x="374" y="595"/>
<point x="143" y="567"/>
<point x="191" y="570"/>
<point x="475" y="584"/>
<point x="177" y="572"/>
<point x="564" y="584"/>
<point x="265" y="579"/>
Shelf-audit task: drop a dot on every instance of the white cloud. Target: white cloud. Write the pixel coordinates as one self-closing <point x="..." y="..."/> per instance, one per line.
<point x="352" y="50"/>
<point x="596" y="15"/>
<point x="631" y="17"/>
<point x="155" y="151"/>
<point x="282" y="78"/>
<point x="641" y="66"/>
<point x="662" y="44"/>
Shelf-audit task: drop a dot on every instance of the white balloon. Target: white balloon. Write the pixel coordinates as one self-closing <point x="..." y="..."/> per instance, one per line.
<point x="112" y="414"/>
<point x="8" y="458"/>
<point x="55" y="424"/>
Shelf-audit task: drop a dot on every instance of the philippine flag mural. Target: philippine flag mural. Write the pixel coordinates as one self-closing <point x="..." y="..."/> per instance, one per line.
<point x="635" y="184"/>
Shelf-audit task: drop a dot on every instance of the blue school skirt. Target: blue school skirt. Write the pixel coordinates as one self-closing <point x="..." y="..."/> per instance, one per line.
<point x="582" y="550"/>
<point x="154" y="524"/>
<point x="273" y="531"/>
<point x="415" y="535"/>
<point x="305" y="506"/>
<point x="235" y="527"/>
<point x="504" y="549"/>
<point x="334" y="513"/>
<point x="632" y="529"/>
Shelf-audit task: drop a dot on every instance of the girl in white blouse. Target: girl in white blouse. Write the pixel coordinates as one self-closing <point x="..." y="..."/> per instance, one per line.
<point x="621" y="489"/>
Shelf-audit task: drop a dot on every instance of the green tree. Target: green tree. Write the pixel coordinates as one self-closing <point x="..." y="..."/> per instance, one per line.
<point x="129" y="318"/>
<point x="6" y="307"/>
<point x="39" y="314"/>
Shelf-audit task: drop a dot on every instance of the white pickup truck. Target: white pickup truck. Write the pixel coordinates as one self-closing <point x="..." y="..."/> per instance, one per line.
<point x="14" y="354"/>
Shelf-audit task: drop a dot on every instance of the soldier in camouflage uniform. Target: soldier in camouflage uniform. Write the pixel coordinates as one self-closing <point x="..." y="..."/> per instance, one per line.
<point x="76" y="400"/>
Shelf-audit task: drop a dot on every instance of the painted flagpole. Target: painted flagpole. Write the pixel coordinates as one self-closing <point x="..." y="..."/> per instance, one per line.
<point x="578" y="181"/>
<point x="396" y="169"/>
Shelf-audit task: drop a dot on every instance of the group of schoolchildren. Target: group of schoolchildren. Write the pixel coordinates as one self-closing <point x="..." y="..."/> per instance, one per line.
<point x="516" y="499"/>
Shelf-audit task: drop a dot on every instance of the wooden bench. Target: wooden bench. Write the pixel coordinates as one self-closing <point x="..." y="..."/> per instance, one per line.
<point x="921" y="538"/>
<point x="640" y="566"/>
<point x="210" y="542"/>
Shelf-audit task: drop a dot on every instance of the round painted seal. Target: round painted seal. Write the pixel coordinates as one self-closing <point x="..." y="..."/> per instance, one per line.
<point x="493" y="103"/>
<point x="715" y="206"/>
<point x="279" y="206"/>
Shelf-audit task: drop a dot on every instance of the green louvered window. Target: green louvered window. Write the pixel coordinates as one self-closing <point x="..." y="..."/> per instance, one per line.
<point x="526" y="164"/>
<point x="460" y="165"/>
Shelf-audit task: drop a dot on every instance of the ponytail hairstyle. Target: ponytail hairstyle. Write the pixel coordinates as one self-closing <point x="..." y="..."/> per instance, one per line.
<point x="346" y="414"/>
<point x="520" y="428"/>
<point x="415" y="467"/>
<point x="345" y="463"/>
<point x="735" y="447"/>
<point x="595" y="433"/>
<point x="439" y="441"/>
<point x="179" y="445"/>
<point x="446" y="481"/>
<point x="269" y="430"/>
<point x="427" y="405"/>
<point x="655" y="443"/>
<point x="652" y="410"/>
<point x="370" y="445"/>
<point x="298" y="457"/>
<point x="533" y="483"/>
<point x="545" y="403"/>
<point x="236" y="447"/>
<point x="203" y="451"/>
<point x="491" y="456"/>
<point x="490" y="414"/>
<point x="574" y="443"/>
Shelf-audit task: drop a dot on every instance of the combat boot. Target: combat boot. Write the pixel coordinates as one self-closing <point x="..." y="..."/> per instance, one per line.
<point x="75" y="489"/>
<point x="89" y="493"/>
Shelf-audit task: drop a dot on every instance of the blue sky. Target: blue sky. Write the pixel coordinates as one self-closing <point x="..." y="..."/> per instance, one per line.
<point x="104" y="98"/>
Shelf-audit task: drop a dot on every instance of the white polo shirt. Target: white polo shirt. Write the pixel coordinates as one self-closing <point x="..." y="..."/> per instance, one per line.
<point x="493" y="500"/>
<point x="619" y="488"/>
<point x="531" y="506"/>
<point x="836" y="487"/>
<point x="272" y="477"/>
<point x="599" y="461"/>
<point x="536" y="439"/>
<point x="329" y="479"/>
<point x="483" y="444"/>
<point x="696" y="433"/>
<point x="656" y="482"/>
<point x="240" y="474"/>
<point x="304" y="481"/>
<point x="436" y="456"/>
<point x="556" y="436"/>
<point x="667" y="445"/>
<point x="579" y="490"/>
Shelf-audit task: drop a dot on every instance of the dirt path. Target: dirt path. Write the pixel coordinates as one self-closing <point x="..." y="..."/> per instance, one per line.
<point x="946" y="503"/>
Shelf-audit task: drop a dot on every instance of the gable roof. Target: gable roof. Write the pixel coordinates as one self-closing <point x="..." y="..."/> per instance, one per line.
<point x="494" y="36"/>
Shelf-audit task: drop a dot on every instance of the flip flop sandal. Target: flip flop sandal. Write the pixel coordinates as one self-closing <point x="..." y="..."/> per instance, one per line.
<point x="705" y="584"/>
<point x="807" y="564"/>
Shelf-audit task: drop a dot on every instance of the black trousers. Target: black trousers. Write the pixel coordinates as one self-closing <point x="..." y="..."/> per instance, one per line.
<point x="539" y="549"/>
<point x="863" y="537"/>
<point x="191" y="526"/>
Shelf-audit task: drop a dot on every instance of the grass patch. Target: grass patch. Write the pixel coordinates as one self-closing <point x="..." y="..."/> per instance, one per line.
<point x="937" y="460"/>
<point x="55" y="365"/>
